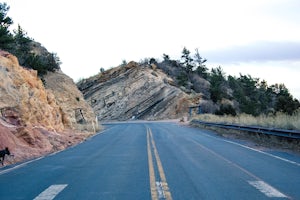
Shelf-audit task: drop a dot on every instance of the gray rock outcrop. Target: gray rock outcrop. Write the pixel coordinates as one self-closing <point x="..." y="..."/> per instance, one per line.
<point x="134" y="92"/>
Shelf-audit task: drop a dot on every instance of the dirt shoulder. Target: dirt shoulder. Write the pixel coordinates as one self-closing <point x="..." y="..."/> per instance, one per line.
<point x="27" y="143"/>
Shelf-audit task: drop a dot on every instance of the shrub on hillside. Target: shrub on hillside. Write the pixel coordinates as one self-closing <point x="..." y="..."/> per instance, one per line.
<point x="226" y="110"/>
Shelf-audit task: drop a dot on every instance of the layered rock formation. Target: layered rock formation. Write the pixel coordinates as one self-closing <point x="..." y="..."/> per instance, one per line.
<point x="35" y="119"/>
<point x="135" y="92"/>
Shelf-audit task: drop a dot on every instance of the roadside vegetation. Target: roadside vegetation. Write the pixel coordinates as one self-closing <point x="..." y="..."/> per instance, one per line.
<point x="29" y="53"/>
<point x="279" y="120"/>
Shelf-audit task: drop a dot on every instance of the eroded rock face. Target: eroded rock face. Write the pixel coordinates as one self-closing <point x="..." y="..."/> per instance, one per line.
<point x="75" y="111"/>
<point x="135" y="91"/>
<point x="22" y="92"/>
<point x="35" y="119"/>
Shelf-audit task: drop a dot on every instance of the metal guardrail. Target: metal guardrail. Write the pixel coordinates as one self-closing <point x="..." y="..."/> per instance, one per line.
<point x="255" y="129"/>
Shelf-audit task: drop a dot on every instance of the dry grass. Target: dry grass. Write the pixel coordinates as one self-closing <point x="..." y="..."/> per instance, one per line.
<point x="279" y="120"/>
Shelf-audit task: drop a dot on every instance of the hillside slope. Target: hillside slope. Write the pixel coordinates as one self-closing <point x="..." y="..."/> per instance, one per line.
<point x="166" y="90"/>
<point x="135" y="91"/>
<point x="34" y="119"/>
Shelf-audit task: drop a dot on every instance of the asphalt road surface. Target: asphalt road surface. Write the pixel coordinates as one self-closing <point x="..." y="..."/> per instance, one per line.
<point x="155" y="161"/>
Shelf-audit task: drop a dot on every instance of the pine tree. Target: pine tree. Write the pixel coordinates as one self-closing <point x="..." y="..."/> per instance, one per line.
<point x="201" y="68"/>
<point x="6" y="37"/>
<point x="217" y="80"/>
<point x="187" y="60"/>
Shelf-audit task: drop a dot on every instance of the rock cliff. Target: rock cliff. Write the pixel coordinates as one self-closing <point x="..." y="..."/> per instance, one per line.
<point x="76" y="113"/>
<point x="136" y="91"/>
<point x="39" y="117"/>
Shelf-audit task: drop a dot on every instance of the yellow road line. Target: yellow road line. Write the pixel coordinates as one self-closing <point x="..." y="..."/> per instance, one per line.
<point x="162" y="175"/>
<point x="151" y="170"/>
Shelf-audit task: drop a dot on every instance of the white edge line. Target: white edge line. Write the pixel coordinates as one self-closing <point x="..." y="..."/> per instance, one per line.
<point x="20" y="165"/>
<point x="265" y="153"/>
<point x="256" y="150"/>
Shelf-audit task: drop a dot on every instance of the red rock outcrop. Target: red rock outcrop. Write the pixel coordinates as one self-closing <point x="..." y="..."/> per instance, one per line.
<point x="34" y="119"/>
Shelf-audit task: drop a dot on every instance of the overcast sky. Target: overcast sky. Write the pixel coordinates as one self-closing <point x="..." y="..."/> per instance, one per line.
<point x="256" y="37"/>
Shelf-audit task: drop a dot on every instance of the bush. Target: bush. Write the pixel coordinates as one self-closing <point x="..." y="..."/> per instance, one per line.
<point x="182" y="79"/>
<point x="208" y="106"/>
<point x="42" y="64"/>
<point x="226" y="110"/>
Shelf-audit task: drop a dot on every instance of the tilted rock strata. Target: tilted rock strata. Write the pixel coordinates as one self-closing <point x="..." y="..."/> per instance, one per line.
<point x="135" y="92"/>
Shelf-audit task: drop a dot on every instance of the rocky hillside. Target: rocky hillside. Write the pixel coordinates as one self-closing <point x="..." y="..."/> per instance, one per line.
<point x="136" y="91"/>
<point x="165" y="90"/>
<point x="39" y="117"/>
<point x="76" y="113"/>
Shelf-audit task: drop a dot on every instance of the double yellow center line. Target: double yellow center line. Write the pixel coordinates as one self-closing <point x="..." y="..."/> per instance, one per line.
<point x="159" y="189"/>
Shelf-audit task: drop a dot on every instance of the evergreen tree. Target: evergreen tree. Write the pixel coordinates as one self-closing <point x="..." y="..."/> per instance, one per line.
<point x="152" y="61"/>
<point x="187" y="60"/>
<point x="166" y="57"/>
<point x="123" y="64"/>
<point x="6" y="37"/>
<point x="21" y="45"/>
<point x="245" y="92"/>
<point x="201" y="68"/>
<point x="217" y="81"/>
<point x="284" y="100"/>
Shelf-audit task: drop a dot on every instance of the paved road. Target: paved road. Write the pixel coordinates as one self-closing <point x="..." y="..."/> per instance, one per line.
<point x="155" y="161"/>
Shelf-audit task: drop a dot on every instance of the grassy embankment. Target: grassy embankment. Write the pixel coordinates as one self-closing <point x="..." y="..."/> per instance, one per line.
<point x="281" y="121"/>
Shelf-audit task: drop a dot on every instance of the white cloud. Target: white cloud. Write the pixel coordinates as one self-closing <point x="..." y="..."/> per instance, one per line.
<point x="258" y="51"/>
